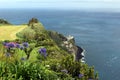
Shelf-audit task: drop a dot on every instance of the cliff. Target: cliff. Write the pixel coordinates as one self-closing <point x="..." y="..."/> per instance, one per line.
<point x="39" y="54"/>
<point x="63" y="42"/>
<point x="4" y="22"/>
<point x="68" y="44"/>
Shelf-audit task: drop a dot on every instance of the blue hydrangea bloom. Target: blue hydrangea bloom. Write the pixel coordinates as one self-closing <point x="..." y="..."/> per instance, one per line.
<point x="25" y="44"/>
<point x="21" y="47"/>
<point x="18" y="45"/>
<point x="80" y="75"/>
<point x="5" y="43"/>
<point x="10" y="45"/>
<point x="43" y="51"/>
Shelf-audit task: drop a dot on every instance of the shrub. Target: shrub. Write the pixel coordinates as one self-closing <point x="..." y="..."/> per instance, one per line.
<point x="25" y="71"/>
<point x="27" y="34"/>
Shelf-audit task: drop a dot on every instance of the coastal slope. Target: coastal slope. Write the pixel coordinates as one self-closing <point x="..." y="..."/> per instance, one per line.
<point x="38" y="54"/>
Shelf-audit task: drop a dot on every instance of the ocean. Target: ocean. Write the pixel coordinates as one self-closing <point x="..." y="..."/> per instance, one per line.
<point x="97" y="32"/>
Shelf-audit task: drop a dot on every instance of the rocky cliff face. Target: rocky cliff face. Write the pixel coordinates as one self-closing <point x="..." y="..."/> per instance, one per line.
<point x="35" y="24"/>
<point x="73" y="49"/>
<point x="68" y="44"/>
<point x="32" y="21"/>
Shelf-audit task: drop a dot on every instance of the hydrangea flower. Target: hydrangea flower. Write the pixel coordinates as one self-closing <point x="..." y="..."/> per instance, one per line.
<point x="43" y="51"/>
<point x="25" y="44"/>
<point x="10" y="45"/>
<point x="18" y="45"/>
<point x="5" y="43"/>
<point x="21" y="47"/>
<point x="80" y="75"/>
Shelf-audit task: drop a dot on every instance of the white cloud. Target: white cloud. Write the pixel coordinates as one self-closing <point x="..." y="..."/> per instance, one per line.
<point x="71" y="4"/>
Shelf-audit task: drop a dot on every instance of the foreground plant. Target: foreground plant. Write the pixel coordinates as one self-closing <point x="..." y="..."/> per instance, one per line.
<point x="25" y="71"/>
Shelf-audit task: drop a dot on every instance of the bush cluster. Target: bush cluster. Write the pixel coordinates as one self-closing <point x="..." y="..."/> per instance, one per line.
<point x="36" y="56"/>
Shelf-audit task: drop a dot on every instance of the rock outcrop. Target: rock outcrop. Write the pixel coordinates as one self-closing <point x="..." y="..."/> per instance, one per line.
<point x="33" y="20"/>
<point x="73" y="49"/>
<point x="68" y="44"/>
<point x="4" y="22"/>
<point x="80" y="54"/>
<point x="35" y="24"/>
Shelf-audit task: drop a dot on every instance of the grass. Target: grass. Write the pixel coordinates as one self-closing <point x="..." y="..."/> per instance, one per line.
<point x="8" y="32"/>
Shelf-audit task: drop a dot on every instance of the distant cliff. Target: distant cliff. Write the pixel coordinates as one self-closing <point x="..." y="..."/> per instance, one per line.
<point x="68" y="44"/>
<point x="58" y="56"/>
<point x="65" y="43"/>
<point x="4" y="22"/>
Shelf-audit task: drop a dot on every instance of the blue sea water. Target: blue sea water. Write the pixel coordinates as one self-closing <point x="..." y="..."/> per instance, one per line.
<point x="97" y="32"/>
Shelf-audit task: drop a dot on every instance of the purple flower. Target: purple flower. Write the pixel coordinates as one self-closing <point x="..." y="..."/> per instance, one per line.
<point x="25" y="44"/>
<point x="18" y="45"/>
<point x="11" y="45"/>
<point x="80" y="75"/>
<point x="7" y="55"/>
<point x="64" y="70"/>
<point x="43" y="51"/>
<point x="5" y="43"/>
<point x="21" y="47"/>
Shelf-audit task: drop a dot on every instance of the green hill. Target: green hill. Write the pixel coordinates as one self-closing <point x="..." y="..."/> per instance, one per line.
<point x="39" y="54"/>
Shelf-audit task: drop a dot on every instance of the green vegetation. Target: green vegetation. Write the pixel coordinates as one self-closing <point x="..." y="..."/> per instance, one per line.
<point x="36" y="55"/>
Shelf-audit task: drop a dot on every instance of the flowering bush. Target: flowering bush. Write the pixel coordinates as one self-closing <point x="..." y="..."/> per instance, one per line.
<point x="11" y="48"/>
<point x="25" y="71"/>
<point x="50" y="62"/>
<point x="43" y="52"/>
<point x="25" y="44"/>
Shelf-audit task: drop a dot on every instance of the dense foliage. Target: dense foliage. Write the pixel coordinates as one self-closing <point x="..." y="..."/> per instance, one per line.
<point x="36" y="56"/>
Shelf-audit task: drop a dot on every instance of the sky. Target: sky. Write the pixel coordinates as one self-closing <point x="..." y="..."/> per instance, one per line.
<point x="62" y="4"/>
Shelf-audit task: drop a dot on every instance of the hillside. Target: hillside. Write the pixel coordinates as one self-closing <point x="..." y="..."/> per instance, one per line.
<point x="39" y="54"/>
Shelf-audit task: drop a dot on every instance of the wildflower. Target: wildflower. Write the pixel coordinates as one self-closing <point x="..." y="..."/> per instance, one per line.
<point x="11" y="45"/>
<point x="21" y="47"/>
<point x="25" y="44"/>
<point x="64" y="70"/>
<point x="5" y="43"/>
<point x="7" y="55"/>
<point x="80" y="75"/>
<point x="18" y="45"/>
<point x="43" y="51"/>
